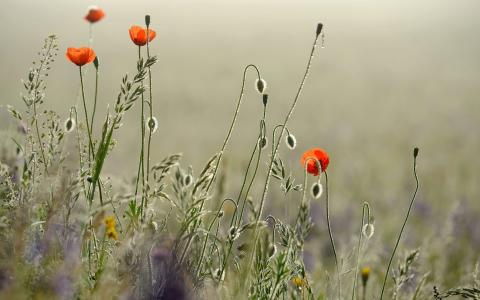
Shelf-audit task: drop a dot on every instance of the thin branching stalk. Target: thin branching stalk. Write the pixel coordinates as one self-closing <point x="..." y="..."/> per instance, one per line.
<point x="277" y="143"/>
<point x="365" y="210"/>
<point x="415" y="153"/>
<point x="35" y="107"/>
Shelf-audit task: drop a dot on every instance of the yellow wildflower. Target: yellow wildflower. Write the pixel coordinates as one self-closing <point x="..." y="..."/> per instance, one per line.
<point x="110" y="229"/>
<point x="298" y="281"/>
<point x="365" y="274"/>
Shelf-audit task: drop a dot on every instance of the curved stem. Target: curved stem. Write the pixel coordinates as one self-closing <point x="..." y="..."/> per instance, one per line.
<point x="224" y="146"/>
<point x="331" y="235"/>
<point x="403" y="226"/>
<point x="199" y="266"/>
<point x="304" y="194"/>
<point x="277" y="143"/>
<point x="366" y="208"/>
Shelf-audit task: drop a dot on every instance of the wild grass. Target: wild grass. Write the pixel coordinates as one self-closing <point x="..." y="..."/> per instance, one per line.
<point x="70" y="232"/>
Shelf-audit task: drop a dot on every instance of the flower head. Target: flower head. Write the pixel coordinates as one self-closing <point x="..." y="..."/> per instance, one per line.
<point x="139" y="35"/>
<point x="309" y="158"/>
<point x="110" y="229"/>
<point x="365" y="275"/>
<point x="94" y="14"/>
<point x="298" y="281"/>
<point x="80" y="56"/>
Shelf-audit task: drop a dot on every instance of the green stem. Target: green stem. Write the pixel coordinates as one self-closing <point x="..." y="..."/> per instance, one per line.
<point x="199" y="266"/>
<point x="141" y="164"/>
<point x="277" y="143"/>
<point x="331" y="235"/>
<point x="366" y="207"/>
<point x="95" y="100"/>
<point x="35" y="108"/>
<point x="151" y="112"/>
<point x="90" y="151"/>
<point x="403" y="226"/>
<point x="224" y="146"/>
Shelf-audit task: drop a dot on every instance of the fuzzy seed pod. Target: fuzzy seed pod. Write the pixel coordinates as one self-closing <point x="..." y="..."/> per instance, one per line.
<point x="262" y="143"/>
<point x="291" y="141"/>
<point x="69" y="125"/>
<point x="316" y="190"/>
<point x="261" y="85"/>
<point x="368" y="230"/>
<point x="187" y="180"/>
<point x="152" y="124"/>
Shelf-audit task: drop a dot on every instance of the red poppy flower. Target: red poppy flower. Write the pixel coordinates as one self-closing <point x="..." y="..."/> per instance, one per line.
<point x="80" y="56"/>
<point x="94" y="14"/>
<point x="139" y="35"/>
<point x="312" y="167"/>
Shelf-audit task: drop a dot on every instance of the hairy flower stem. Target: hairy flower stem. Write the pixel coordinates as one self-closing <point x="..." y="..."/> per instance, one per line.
<point x="222" y="150"/>
<point x="141" y="165"/>
<point x="277" y="144"/>
<point x="404" y="222"/>
<point x="365" y="209"/>
<point x="150" y="102"/>
<point x="331" y="235"/>
<point x="199" y="266"/>
<point x="240" y="216"/>
<point x="90" y="143"/>
<point x="304" y="193"/>
<point x="94" y="101"/>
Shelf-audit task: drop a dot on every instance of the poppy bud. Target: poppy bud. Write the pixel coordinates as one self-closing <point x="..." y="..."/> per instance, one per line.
<point x="317" y="190"/>
<point x="272" y="249"/>
<point x="95" y="62"/>
<point x="147" y="20"/>
<point x="415" y="152"/>
<point x="233" y="233"/>
<point x="291" y="141"/>
<point x="90" y="179"/>
<point x="368" y="230"/>
<point x="265" y="99"/>
<point x="69" y="125"/>
<point x="319" y="28"/>
<point x="152" y="124"/>
<point x="187" y="180"/>
<point x="263" y="142"/>
<point x="260" y="85"/>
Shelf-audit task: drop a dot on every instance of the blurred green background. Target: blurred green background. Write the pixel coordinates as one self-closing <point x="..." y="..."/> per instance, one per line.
<point x="393" y="75"/>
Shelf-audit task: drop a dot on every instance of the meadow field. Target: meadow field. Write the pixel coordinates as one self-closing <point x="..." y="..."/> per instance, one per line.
<point x="248" y="149"/>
